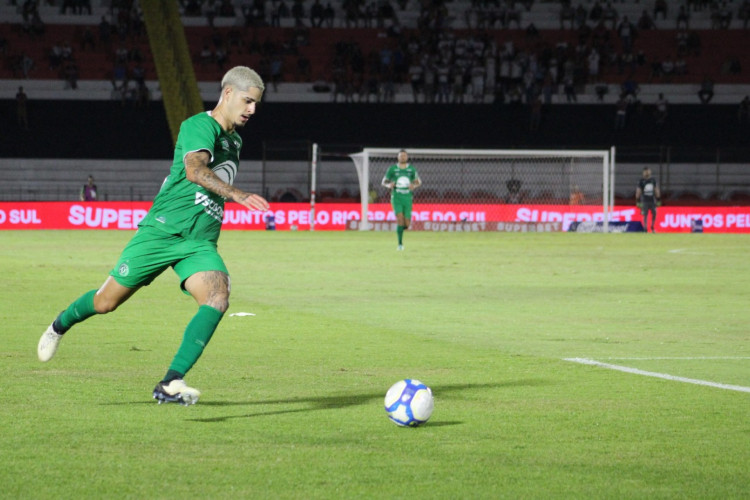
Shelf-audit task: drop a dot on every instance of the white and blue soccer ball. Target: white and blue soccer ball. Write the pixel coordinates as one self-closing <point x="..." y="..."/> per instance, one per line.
<point x="409" y="403"/>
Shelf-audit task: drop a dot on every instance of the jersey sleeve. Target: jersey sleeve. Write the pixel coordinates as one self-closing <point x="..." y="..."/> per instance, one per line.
<point x="388" y="176"/>
<point x="197" y="135"/>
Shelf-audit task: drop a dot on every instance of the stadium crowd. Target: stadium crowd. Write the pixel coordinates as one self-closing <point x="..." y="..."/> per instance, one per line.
<point x="495" y="52"/>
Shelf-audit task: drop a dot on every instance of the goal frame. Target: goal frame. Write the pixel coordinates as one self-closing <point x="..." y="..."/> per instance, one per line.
<point x="607" y="157"/>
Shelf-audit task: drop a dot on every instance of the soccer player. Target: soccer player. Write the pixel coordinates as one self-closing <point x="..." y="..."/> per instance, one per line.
<point x="402" y="179"/>
<point x="181" y="231"/>
<point x="647" y="197"/>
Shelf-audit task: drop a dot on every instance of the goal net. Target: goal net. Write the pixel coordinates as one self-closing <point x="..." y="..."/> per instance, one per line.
<point x="480" y="177"/>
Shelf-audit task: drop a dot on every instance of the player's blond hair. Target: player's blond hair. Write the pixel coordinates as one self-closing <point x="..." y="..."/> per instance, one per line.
<point x="242" y="78"/>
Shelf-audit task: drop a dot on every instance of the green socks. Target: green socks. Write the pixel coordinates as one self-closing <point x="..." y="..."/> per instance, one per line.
<point x="197" y="334"/>
<point x="76" y="312"/>
<point x="400" y="232"/>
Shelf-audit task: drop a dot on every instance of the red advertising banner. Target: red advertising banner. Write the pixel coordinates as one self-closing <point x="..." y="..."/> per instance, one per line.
<point x="334" y="216"/>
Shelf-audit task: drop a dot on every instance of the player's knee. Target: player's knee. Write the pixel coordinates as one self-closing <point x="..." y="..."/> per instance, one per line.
<point x="104" y="305"/>
<point x="220" y="302"/>
<point x="218" y="297"/>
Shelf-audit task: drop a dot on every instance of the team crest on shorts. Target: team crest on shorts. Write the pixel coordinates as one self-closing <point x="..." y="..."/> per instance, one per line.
<point x="124" y="270"/>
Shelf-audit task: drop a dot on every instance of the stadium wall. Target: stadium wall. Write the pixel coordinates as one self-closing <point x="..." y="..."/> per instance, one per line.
<point x="101" y="129"/>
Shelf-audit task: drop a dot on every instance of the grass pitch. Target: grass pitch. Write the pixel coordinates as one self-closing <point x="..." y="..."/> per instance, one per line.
<point x="292" y="403"/>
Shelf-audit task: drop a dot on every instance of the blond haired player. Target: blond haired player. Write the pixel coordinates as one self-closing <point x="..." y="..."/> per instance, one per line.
<point x="181" y="231"/>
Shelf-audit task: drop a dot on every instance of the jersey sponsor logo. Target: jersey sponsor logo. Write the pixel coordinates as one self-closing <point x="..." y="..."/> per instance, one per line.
<point x="211" y="207"/>
<point x="226" y="171"/>
<point x="124" y="270"/>
<point x="225" y="144"/>
<point x="403" y="182"/>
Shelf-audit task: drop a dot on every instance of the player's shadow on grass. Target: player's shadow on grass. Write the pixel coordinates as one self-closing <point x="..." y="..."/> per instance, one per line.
<point x="344" y="401"/>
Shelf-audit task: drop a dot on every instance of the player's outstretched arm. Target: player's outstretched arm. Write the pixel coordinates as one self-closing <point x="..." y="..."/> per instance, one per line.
<point x="197" y="171"/>
<point x="252" y="201"/>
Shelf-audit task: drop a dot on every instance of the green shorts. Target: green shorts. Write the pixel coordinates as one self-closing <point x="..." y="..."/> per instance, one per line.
<point x="151" y="251"/>
<point x="402" y="205"/>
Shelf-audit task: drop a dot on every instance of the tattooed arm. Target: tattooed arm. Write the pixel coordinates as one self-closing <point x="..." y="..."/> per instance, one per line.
<point x="197" y="172"/>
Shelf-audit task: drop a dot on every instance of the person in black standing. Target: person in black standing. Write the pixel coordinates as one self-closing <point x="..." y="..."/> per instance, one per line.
<point x="647" y="198"/>
<point x="22" y="115"/>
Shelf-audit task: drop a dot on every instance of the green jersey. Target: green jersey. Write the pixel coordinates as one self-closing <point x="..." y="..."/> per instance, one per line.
<point x="183" y="207"/>
<point x="402" y="178"/>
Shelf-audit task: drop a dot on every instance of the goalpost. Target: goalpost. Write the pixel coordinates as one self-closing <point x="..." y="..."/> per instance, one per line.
<point x="495" y="176"/>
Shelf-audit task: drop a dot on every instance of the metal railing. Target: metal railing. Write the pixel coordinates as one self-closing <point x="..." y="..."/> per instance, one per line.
<point x="709" y="173"/>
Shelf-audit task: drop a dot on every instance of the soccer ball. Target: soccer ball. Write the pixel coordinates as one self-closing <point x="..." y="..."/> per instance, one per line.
<point x="409" y="403"/>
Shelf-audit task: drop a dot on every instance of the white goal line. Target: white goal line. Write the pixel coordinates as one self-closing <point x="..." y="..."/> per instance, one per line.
<point x="665" y="376"/>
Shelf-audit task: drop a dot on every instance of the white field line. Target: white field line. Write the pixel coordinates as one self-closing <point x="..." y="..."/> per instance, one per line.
<point x="688" y="358"/>
<point x="687" y="251"/>
<point x="665" y="376"/>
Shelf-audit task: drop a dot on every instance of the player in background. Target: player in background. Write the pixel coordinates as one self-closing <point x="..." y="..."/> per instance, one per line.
<point x="181" y="231"/>
<point x="647" y="197"/>
<point x="402" y="179"/>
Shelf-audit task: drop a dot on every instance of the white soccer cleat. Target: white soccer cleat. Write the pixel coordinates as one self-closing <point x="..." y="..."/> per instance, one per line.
<point x="48" y="344"/>
<point x="400" y="248"/>
<point x="176" y="391"/>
